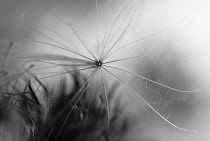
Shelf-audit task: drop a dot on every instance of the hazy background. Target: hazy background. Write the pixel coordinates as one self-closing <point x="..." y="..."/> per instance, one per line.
<point x="189" y="20"/>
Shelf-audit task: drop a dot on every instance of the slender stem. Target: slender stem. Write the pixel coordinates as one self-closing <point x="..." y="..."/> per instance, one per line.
<point x="144" y="55"/>
<point x="79" y="64"/>
<point x="103" y="47"/>
<point x="82" y="92"/>
<point x="29" y="27"/>
<point x="77" y="35"/>
<point x="72" y="51"/>
<point x="80" y="39"/>
<point x="123" y="59"/>
<point x="144" y="78"/>
<point x="106" y="98"/>
<point x="65" y="73"/>
<point x="123" y="30"/>
<point x="141" y="98"/>
<point x="146" y="37"/>
<point x="53" y="32"/>
<point x="96" y="1"/>
<point x="113" y="25"/>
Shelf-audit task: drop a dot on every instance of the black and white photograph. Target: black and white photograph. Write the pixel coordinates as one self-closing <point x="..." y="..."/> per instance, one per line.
<point x="104" y="70"/>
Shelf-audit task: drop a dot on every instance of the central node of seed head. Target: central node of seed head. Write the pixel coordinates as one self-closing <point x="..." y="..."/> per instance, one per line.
<point x="99" y="63"/>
